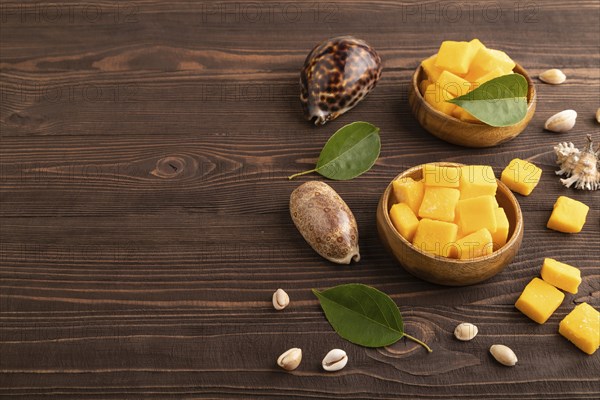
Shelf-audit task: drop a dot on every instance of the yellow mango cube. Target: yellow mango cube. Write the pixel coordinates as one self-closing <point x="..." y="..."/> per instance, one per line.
<point x="582" y="328"/>
<point x="539" y="300"/>
<point x="476" y="244"/>
<point x="568" y="215"/>
<point x="486" y="60"/>
<point x="428" y="65"/>
<point x="478" y="81"/>
<point x="476" y="45"/>
<point x="439" y="203"/>
<point x="454" y="84"/>
<point x="476" y="213"/>
<point x="435" y="237"/>
<point x="436" y="175"/>
<point x="438" y="98"/>
<point x="477" y="180"/>
<point x="456" y="57"/>
<point x="404" y="220"/>
<point x="521" y="176"/>
<point x="409" y="191"/>
<point x="563" y="276"/>
<point x="500" y="235"/>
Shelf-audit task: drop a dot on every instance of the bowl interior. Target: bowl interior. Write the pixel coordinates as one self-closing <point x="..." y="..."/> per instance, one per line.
<point x="505" y="199"/>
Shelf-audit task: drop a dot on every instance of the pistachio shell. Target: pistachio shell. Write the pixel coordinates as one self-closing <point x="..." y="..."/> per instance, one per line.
<point x="325" y="222"/>
<point x="280" y="299"/>
<point x="335" y="360"/>
<point x="561" y="122"/>
<point x="504" y="355"/>
<point x="465" y="331"/>
<point x="553" y="76"/>
<point x="291" y="359"/>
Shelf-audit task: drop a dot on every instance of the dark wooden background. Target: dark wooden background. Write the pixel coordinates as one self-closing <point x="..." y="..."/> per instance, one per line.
<point x="145" y="147"/>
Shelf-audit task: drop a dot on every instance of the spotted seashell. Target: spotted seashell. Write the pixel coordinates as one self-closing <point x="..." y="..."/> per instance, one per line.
<point x="337" y="74"/>
<point x="325" y="222"/>
<point x="582" y="168"/>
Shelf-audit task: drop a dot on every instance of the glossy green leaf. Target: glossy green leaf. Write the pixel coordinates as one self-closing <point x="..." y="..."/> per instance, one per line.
<point x="498" y="102"/>
<point x="363" y="315"/>
<point x="349" y="152"/>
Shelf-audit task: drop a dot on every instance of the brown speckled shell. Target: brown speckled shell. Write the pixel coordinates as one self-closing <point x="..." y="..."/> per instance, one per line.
<point x="337" y="74"/>
<point x="325" y="222"/>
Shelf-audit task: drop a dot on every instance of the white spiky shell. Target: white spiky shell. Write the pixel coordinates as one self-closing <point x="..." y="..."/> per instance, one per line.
<point x="580" y="167"/>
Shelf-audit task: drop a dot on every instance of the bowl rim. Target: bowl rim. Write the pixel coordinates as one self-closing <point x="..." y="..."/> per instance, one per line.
<point x="531" y="97"/>
<point x="508" y="245"/>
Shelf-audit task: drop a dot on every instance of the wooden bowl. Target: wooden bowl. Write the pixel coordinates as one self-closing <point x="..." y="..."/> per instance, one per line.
<point x="443" y="270"/>
<point x="463" y="133"/>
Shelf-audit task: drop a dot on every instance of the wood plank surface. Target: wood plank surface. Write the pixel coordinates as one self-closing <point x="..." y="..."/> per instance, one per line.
<point x="144" y="154"/>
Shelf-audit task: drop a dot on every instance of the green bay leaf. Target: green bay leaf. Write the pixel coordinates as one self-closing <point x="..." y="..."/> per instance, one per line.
<point x="349" y="152"/>
<point x="363" y="315"/>
<point x="498" y="102"/>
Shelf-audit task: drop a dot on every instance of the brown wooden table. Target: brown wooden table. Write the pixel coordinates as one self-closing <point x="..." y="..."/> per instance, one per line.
<point x="144" y="153"/>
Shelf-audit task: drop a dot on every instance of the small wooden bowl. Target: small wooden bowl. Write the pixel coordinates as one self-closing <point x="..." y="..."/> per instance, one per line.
<point x="443" y="270"/>
<point x="463" y="133"/>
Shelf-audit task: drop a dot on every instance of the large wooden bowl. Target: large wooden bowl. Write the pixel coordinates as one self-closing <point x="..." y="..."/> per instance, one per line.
<point x="463" y="133"/>
<point x="443" y="270"/>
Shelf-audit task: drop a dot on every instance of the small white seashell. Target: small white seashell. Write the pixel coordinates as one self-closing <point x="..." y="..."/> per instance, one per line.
<point x="580" y="167"/>
<point x="553" y="76"/>
<point x="561" y="122"/>
<point x="504" y="355"/>
<point x="335" y="360"/>
<point x="290" y="360"/>
<point x="465" y="331"/>
<point x="598" y="115"/>
<point x="280" y="299"/>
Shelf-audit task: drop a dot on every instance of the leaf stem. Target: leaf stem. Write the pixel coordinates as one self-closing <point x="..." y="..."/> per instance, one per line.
<point x="302" y="173"/>
<point x="414" y="339"/>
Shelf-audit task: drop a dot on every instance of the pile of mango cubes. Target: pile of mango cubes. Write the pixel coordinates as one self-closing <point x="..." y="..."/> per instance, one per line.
<point x="541" y="297"/>
<point x="451" y="212"/>
<point x="458" y="68"/>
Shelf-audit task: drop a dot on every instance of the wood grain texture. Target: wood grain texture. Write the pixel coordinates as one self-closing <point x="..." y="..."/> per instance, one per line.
<point x="144" y="150"/>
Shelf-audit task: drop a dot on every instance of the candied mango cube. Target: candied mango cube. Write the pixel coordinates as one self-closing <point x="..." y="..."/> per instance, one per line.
<point x="456" y="57"/>
<point x="439" y="203"/>
<point x="521" y="176"/>
<point x="476" y="244"/>
<point x="477" y="180"/>
<point x="568" y="215"/>
<point x="486" y="60"/>
<point x="476" y="45"/>
<point x="476" y="213"/>
<point x="436" y="175"/>
<point x="437" y="98"/>
<point x="563" y="276"/>
<point x="500" y="235"/>
<point x="404" y="219"/>
<point x="478" y="81"/>
<point x="409" y="191"/>
<point x="435" y="237"/>
<point x="582" y="328"/>
<point x="428" y="65"/>
<point x="539" y="300"/>
<point x="454" y="84"/>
